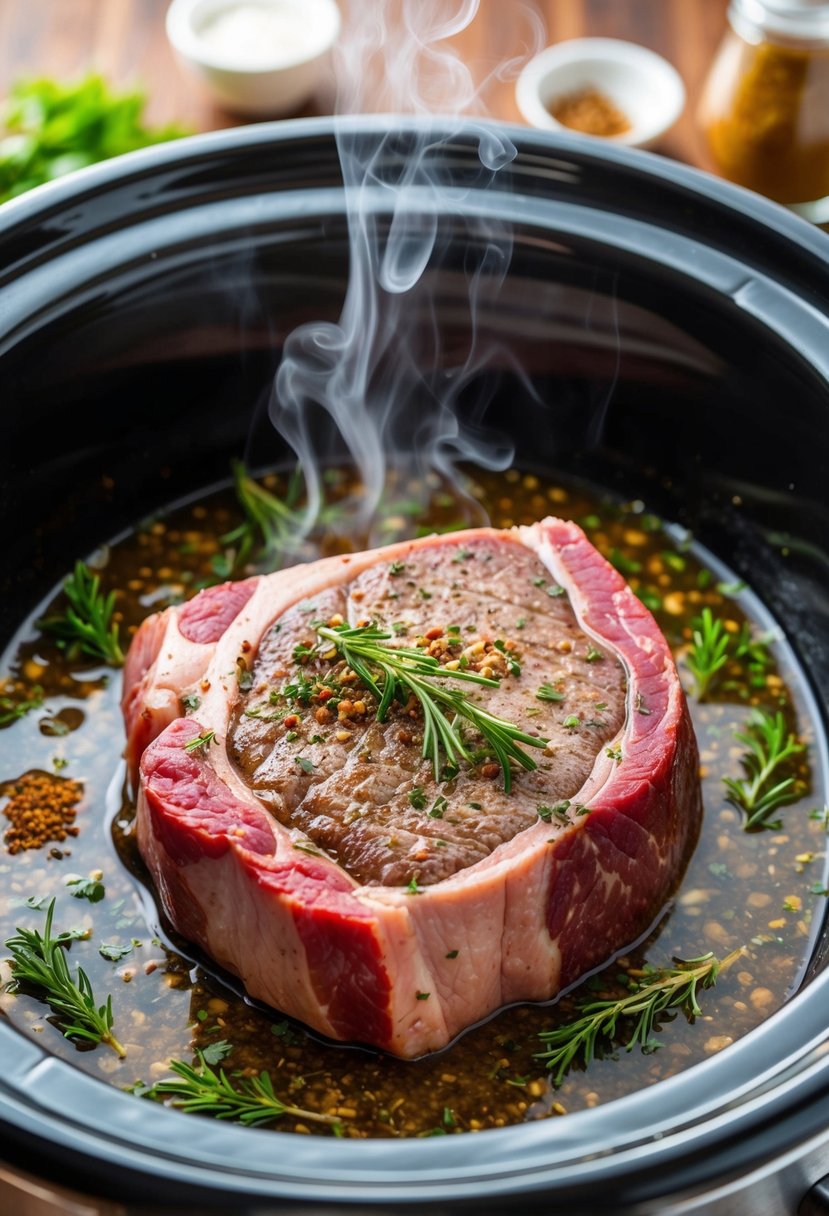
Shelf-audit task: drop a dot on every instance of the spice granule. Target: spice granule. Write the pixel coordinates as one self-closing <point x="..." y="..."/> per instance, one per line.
<point x="41" y="808"/>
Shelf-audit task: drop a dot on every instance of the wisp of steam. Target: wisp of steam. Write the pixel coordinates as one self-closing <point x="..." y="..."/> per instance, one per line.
<point x="381" y="387"/>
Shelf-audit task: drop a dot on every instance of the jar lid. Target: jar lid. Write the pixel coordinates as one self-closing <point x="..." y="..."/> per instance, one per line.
<point x="796" y="21"/>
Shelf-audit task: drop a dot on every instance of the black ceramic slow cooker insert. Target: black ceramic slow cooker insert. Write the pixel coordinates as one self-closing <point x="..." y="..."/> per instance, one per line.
<point x="674" y="336"/>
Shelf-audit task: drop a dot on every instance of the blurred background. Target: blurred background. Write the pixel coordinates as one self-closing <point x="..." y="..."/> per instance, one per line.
<point x="125" y="41"/>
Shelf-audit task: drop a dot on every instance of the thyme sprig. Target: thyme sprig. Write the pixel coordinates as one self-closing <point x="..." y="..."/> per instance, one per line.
<point x="202" y="1090"/>
<point x="86" y="626"/>
<point x="39" y="961"/>
<point x="656" y="994"/>
<point x="769" y="745"/>
<point x="393" y="673"/>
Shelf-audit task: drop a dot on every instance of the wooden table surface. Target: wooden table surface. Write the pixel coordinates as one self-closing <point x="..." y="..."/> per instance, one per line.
<point x="125" y="40"/>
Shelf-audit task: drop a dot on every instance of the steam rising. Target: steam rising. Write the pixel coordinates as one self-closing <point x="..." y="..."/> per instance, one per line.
<point x="388" y="385"/>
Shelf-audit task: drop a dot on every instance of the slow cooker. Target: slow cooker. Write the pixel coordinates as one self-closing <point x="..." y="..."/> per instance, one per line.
<point x="663" y="334"/>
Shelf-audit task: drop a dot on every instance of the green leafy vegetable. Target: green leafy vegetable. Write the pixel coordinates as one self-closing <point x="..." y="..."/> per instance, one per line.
<point x="39" y="961"/>
<point x="247" y="1100"/>
<point x="656" y="994"/>
<point x="52" y="129"/>
<point x="86" y="627"/>
<point x="769" y="746"/>
<point x="393" y="673"/>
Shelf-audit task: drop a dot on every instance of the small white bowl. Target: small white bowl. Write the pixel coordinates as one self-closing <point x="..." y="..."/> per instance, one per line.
<point x="255" y="76"/>
<point x="643" y="85"/>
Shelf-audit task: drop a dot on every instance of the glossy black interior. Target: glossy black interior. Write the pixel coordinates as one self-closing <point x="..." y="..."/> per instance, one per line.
<point x="674" y="334"/>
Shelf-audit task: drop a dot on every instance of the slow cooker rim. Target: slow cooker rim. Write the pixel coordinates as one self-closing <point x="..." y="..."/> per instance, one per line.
<point x="95" y="179"/>
<point x="98" y="178"/>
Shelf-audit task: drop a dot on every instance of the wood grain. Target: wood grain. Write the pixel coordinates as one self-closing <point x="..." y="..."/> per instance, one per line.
<point x="125" y="40"/>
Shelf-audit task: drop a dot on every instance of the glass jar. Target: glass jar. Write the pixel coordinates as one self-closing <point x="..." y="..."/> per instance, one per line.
<point x="765" y="105"/>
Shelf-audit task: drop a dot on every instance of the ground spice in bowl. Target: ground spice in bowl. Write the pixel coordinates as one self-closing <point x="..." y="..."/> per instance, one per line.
<point x="591" y="112"/>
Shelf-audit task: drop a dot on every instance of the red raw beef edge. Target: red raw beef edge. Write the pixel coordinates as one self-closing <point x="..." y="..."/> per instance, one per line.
<point x="607" y="875"/>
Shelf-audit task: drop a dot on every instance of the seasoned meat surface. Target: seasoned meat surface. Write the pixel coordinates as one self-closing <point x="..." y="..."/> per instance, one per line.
<point x="305" y="738"/>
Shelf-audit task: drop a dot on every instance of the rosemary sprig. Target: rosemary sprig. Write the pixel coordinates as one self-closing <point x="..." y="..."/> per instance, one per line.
<point x="708" y="652"/>
<point x="86" y="627"/>
<point x="393" y="673"/>
<point x="202" y="1090"/>
<point x="39" y="961"/>
<point x="656" y="994"/>
<point x="769" y="745"/>
<point x="270" y="523"/>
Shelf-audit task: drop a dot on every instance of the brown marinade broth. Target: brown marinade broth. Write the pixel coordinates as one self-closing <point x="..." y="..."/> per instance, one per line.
<point x="740" y="888"/>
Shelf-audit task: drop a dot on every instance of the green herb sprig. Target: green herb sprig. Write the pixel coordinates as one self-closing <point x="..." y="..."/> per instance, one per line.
<point x="656" y="994"/>
<point x="202" y="1090"/>
<point x="270" y="524"/>
<point x="51" y="129"/>
<point x="86" y="626"/>
<point x="769" y="746"/>
<point x="393" y="673"/>
<point x="39" y="961"/>
<point x="12" y="710"/>
<point x="708" y="653"/>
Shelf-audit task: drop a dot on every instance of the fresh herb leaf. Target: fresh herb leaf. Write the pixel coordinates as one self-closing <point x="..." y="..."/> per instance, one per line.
<point x="247" y="1100"/>
<point x="217" y="1051"/>
<point x="86" y="627"/>
<point x="288" y="1033"/>
<point x="393" y="673"/>
<point x="769" y="746"/>
<point x="113" y="953"/>
<point x="417" y="798"/>
<point x="201" y="742"/>
<point x="655" y="995"/>
<point x="624" y="564"/>
<point x="615" y="752"/>
<point x="413" y="888"/>
<point x="438" y="807"/>
<point x="306" y="765"/>
<point x="86" y="888"/>
<point x="191" y="701"/>
<point x="559" y="811"/>
<point x="708" y="653"/>
<point x="53" y="128"/>
<point x="547" y="692"/>
<point x="572" y="721"/>
<point x="39" y="962"/>
<point x="12" y="710"/>
<point x="270" y="526"/>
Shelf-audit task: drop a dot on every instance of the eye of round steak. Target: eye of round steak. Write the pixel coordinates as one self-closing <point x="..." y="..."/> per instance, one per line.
<point x="394" y="791"/>
<point x="307" y="741"/>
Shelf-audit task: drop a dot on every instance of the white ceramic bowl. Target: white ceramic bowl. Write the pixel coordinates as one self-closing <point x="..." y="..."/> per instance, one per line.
<point x="260" y="77"/>
<point x="643" y="85"/>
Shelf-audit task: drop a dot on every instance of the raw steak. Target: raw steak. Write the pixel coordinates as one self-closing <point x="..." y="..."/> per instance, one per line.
<point x="310" y="849"/>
